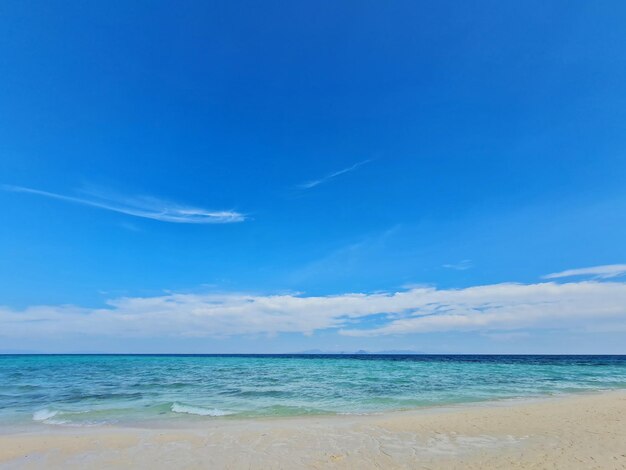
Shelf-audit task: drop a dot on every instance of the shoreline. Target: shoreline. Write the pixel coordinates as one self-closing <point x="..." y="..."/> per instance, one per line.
<point x="184" y="420"/>
<point x="573" y="431"/>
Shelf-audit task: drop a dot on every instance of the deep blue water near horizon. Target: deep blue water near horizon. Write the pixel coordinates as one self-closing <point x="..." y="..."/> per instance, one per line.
<point x="80" y="390"/>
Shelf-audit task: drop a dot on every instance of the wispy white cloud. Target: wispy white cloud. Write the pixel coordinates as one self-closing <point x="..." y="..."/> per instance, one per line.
<point x="317" y="182"/>
<point x="460" y="266"/>
<point x="145" y="207"/>
<point x="598" y="272"/>
<point x="495" y="308"/>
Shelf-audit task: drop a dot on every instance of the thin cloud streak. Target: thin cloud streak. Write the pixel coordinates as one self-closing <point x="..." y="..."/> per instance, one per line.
<point x="147" y="208"/>
<point x="314" y="183"/>
<point x="460" y="266"/>
<point x="599" y="272"/>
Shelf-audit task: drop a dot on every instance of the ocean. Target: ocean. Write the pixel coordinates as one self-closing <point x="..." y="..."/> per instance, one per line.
<point x="92" y="390"/>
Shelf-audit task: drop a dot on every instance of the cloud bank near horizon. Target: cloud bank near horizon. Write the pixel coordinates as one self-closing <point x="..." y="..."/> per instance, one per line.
<point x="585" y="306"/>
<point x="144" y="207"/>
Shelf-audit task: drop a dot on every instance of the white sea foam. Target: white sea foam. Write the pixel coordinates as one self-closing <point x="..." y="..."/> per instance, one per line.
<point x="43" y="415"/>
<point x="196" y="410"/>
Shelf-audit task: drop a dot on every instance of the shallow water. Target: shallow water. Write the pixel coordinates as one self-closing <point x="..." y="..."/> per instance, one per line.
<point x="86" y="390"/>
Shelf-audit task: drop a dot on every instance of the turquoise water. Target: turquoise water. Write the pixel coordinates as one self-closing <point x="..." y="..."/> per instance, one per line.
<point x="93" y="390"/>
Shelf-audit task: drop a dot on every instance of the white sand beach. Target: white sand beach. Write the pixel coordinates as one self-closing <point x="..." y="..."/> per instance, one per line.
<point x="572" y="432"/>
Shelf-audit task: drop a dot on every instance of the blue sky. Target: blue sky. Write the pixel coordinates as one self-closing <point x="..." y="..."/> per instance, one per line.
<point x="160" y="161"/>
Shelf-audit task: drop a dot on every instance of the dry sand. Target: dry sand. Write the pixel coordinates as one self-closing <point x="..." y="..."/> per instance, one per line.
<point x="568" y="433"/>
